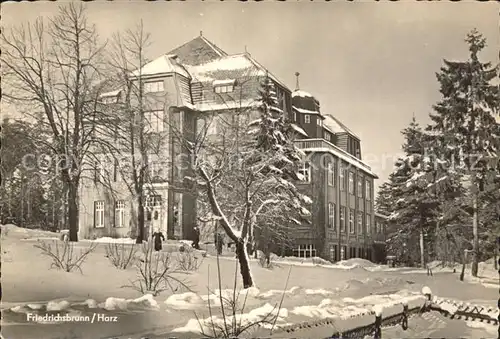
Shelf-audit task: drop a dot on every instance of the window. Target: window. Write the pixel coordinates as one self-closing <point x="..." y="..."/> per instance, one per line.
<point x="328" y="137"/>
<point x="360" y="223"/>
<point x="153" y="201"/>
<point x="305" y="251"/>
<point x="153" y="86"/>
<point x="331" y="173"/>
<point x="319" y="122"/>
<point x="343" y="251"/>
<point x="224" y="89"/>
<point x="99" y="214"/>
<point x="368" y="190"/>
<point x="120" y="213"/>
<point x="342" y="178"/>
<point x="368" y="224"/>
<point x="307" y="119"/>
<point x="333" y="253"/>
<point x="342" y="219"/>
<point x="360" y="187"/>
<point x="351" y="182"/>
<point x="294" y="116"/>
<point x="351" y="221"/>
<point x="154" y="121"/>
<point x="331" y="215"/>
<point x="156" y="170"/>
<point x="305" y="171"/>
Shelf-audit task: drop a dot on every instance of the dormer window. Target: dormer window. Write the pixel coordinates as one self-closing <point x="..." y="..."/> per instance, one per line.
<point x="154" y="121"/>
<point x="223" y="86"/>
<point x="154" y="86"/>
<point x="307" y="119"/>
<point x="109" y="100"/>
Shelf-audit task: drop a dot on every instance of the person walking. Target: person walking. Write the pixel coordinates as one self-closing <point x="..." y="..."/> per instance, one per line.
<point x="196" y="240"/>
<point x="158" y="238"/>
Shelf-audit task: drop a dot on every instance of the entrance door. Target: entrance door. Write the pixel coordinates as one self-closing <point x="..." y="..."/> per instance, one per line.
<point x="154" y="213"/>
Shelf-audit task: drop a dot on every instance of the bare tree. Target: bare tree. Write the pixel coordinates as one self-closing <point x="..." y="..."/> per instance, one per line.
<point x="128" y="58"/>
<point x="52" y="73"/>
<point x="246" y="171"/>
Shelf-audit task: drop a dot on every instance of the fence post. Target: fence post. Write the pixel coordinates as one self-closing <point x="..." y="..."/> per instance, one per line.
<point x="378" y="322"/>
<point x="426" y="291"/>
<point x="404" y="323"/>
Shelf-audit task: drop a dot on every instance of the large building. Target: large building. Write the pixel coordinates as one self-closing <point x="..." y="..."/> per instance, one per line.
<point x="197" y="80"/>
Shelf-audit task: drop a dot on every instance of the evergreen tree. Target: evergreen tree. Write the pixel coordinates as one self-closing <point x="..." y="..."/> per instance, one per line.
<point x="412" y="207"/>
<point x="274" y="147"/>
<point x="464" y="128"/>
<point x="383" y="201"/>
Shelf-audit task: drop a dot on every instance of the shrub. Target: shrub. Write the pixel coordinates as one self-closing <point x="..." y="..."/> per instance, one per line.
<point x="155" y="272"/>
<point x="232" y="323"/>
<point x="121" y="255"/>
<point x="265" y="261"/>
<point x="63" y="254"/>
<point x="189" y="260"/>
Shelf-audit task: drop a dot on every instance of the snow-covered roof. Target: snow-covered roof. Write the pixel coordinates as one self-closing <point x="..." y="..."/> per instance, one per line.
<point x="304" y="111"/>
<point x="332" y="125"/>
<point x="303" y="94"/>
<point x="161" y="65"/>
<point x="259" y="65"/>
<point x="239" y="64"/>
<point x="336" y="126"/>
<point x="111" y="94"/>
<point x="299" y="130"/>
<point x="215" y="48"/>
<point x="235" y="65"/>
<point x="328" y="147"/>
<point x="223" y="82"/>
<point x="244" y="104"/>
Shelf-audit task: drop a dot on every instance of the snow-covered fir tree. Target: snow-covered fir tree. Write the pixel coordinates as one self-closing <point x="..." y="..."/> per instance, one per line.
<point x="275" y="149"/>
<point x="464" y="127"/>
<point x="412" y="209"/>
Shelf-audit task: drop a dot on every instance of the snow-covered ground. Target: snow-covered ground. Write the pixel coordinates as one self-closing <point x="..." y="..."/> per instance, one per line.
<point x="316" y="289"/>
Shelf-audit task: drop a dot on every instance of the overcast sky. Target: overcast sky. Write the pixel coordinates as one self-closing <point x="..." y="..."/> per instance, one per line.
<point x="372" y="65"/>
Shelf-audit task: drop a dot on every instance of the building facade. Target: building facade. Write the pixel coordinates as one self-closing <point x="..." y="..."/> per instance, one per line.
<point x="197" y="81"/>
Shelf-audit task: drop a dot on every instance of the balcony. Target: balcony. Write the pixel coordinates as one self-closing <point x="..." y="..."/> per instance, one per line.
<point x="321" y="145"/>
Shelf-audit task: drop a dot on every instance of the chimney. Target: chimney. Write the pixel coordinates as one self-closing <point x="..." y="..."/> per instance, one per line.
<point x="297" y="83"/>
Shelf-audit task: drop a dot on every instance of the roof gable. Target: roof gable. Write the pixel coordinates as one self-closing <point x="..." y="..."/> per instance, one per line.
<point x="161" y="65"/>
<point x="336" y="126"/>
<point x="228" y="67"/>
<point x="198" y="51"/>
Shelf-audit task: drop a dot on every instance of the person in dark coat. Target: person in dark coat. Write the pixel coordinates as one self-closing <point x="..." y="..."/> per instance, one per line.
<point x="219" y="242"/>
<point x="158" y="238"/>
<point x="196" y="240"/>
